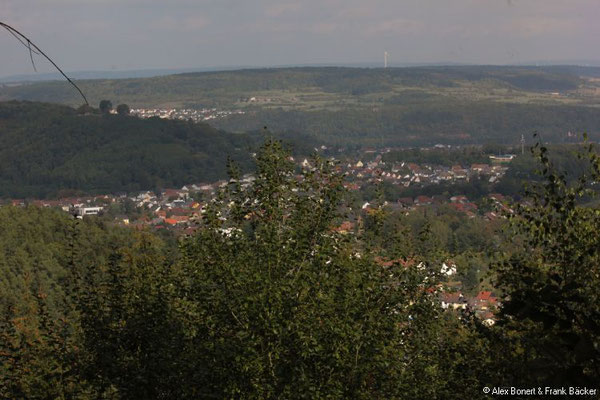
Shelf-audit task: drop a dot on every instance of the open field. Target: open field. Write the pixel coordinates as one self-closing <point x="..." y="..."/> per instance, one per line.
<point x="331" y="88"/>
<point x="361" y="106"/>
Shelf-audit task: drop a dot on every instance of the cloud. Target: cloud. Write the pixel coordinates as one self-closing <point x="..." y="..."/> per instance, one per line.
<point x="324" y="28"/>
<point x="182" y="24"/>
<point x="277" y="10"/>
<point x="542" y="25"/>
<point x="396" y="26"/>
<point x="89" y="34"/>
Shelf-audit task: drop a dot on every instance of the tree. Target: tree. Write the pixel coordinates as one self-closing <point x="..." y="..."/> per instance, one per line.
<point x="552" y="284"/>
<point x="132" y="344"/>
<point x="123" y="109"/>
<point x="274" y="304"/>
<point x="105" y="106"/>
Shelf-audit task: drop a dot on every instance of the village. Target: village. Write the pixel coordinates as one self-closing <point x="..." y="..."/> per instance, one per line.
<point x="196" y="115"/>
<point x="178" y="210"/>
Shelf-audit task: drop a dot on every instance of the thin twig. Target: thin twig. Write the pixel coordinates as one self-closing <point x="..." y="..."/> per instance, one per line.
<point x="31" y="56"/>
<point x="20" y="40"/>
<point x="28" y="43"/>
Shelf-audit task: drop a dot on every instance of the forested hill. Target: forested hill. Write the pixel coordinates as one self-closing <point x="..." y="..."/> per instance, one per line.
<point x="49" y="150"/>
<point x="367" y="106"/>
<point x="311" y="86"/>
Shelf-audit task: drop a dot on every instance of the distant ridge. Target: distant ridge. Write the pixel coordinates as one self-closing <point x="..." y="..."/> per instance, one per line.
<point x="84" y="75"/>
<point x="156" y="72"/>
<point x="151" y="73"/>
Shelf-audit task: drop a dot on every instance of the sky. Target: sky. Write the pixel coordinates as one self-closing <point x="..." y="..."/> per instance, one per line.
<point x="96" y="35"/>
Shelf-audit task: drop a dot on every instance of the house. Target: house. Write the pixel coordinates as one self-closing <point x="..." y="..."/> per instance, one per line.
<point x="180" y="219"/>
<point x="124" y="219"/>
<point x="385" y="262"/>
<point x="448" y="270"/>
<point x="414" y="168"/>
<point x="459" y="199"/>
<point x="480" y="168"/>
<point x="405" y="202"/>
<point x="161" y="213"/>
<point x="504" y="158"/>
<point x="423" y="200"/>
<point x="483" y="296"/>
<point x="488" y="318"/>
<point x="459" y="172"/>
<point x="171" y="194"/>
<point x="484" y="301"/>
<point x="345" y="228"/>
<point x="496" y="197"/>
<point x="453" y="301"/>
<point x="445" y="176"/>
<point x="85" y="211"/>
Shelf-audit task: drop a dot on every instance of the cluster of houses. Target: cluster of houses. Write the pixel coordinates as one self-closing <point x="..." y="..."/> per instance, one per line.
<point x="411" y="174"/>
<point x="483" y="305"/>
<point x="205" y="114"/>
<point x="499" y="205"/>
<point x="173" y="209"/>
<point x="177" y="210"/>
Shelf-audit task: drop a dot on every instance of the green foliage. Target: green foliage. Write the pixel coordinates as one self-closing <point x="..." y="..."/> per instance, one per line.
<point x="286" y="308"/>
<point x="105" y="106"/>
<point x="553" y="303"/>
<point x="131" y="343"/>
<point x="446" y="157"/>
<point x="267" y="301"/>
<point x="447" y="121"/>
<point x="366" y="106"/>
<point x="48" y="148"/>
<point x="41" y="353"/>
<point x="524" y="169"/>
<point x="123" y="109"/>
<point x="222" y="87"/>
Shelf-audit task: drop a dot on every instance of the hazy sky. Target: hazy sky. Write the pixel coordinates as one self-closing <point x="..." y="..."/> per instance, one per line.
<point x="144" y="34"/>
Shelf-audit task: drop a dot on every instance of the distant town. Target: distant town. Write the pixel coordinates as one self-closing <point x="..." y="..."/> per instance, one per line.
<point x="201" y="115"/>
<point x="178" y="208"/>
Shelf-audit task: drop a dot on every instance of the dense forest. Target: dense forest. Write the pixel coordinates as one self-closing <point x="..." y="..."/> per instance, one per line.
<point x="47" y="149"/>
<point x="267" y="301"/>
<point x="367" y="106"/>
<point x="446" y="121"/>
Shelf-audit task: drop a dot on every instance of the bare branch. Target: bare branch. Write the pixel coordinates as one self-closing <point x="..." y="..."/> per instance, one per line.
<point x="29" y="44"/>
<point x="20" y="40"/>
<point x="31" y="56"/>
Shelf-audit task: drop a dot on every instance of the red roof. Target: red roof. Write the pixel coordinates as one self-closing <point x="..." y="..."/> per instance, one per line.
<point x="423" y="200"/>
<point x="484" y="296"/>
<point x="455" y="297"/>
<point x="346" y="226"/>
<point x="384" y="262"/>
<point x="179" y="211"/>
